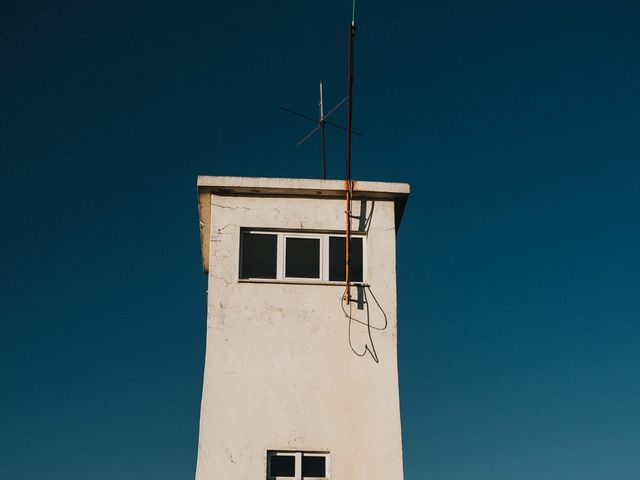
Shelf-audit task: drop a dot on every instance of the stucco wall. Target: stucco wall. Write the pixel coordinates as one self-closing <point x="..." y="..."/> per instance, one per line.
<point x="280" y="373"/>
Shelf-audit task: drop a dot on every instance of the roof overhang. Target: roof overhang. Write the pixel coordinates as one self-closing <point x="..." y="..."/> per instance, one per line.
<point x="289" y="187"/>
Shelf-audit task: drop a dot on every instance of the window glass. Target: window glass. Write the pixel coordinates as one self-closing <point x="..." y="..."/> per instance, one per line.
<point x="259" y="255"/>
<point x="337" y="259"/>
<point x="302" y="257"/>
<point x="313" y="466"/>
<point x="283" y="466"/>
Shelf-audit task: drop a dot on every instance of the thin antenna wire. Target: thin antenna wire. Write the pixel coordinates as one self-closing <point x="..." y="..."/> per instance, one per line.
<point x="320" y="124"/>
<point x="307" y="136"/>
<point x="336" y="106"/>
<point x="326" y="122"/>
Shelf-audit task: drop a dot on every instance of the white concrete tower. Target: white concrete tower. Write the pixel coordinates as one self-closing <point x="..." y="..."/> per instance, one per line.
<point x="298" y="384"/>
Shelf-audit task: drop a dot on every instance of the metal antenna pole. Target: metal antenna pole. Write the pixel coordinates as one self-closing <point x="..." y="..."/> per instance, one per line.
<point x="352" y="31"/>
<point x="324" y="166"/>
<point x="349" y="183"/>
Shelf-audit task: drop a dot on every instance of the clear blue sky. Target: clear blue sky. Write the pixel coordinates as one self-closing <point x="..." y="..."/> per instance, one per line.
<point x="516" y="124"/>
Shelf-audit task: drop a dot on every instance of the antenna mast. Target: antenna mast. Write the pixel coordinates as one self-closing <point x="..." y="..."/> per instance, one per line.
<point x="348" y="182"/>
<point x="352" y="32"/>
<point x="321" y="122"/>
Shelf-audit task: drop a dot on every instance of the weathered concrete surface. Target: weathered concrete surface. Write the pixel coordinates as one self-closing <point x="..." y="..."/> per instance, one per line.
<point x="280" y="373"/>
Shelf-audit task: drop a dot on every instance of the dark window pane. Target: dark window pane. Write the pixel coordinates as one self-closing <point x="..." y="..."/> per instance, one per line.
<point x="283" y="466"/>
<point x="337" y="259"/>
<point x="313" y="467"/>
<point x="303" y="257"/>
<point x="259" y="256"/>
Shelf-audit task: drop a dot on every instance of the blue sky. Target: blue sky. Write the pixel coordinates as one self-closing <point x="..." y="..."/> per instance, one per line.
<point x="519" y="268"/>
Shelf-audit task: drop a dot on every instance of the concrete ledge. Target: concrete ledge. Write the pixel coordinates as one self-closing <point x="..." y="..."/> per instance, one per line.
<point x="298" y="186"/>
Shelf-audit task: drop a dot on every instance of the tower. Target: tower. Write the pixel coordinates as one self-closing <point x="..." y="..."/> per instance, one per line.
<point x="299" y="382"/>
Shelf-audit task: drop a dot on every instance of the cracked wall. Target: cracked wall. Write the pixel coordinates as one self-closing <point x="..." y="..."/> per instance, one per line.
<point x="279" y="370"/>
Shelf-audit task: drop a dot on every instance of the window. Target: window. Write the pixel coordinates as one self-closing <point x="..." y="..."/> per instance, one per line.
<point x="314" y="466"/>
<point x="297" y="465"/>
<point x="300" y="256"/>
<point x="259" y="255"/>
<point x="337" y="255"/>
<point x="282" y="465"/>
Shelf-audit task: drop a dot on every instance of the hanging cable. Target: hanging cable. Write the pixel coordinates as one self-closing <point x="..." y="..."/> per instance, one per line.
<point x="370" y="346"/>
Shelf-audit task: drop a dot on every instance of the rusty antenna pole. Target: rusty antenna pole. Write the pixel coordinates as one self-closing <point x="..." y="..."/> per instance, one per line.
<point x="349" y="183"/>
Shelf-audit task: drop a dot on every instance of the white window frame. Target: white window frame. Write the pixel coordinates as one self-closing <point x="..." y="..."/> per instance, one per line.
<point x="298" y="464"/>
<point x="321" y="255"/>
<point x="364" y="256"/>
<point x="281" y="256"/>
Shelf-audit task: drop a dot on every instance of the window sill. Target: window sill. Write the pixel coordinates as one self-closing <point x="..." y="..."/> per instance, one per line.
<point x="301" y="281"/>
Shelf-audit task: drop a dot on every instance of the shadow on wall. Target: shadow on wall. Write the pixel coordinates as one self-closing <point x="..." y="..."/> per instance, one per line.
<point x="364" y="221"/>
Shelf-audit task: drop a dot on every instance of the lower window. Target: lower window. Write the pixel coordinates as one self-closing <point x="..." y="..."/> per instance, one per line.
<point x="297" y="465"/>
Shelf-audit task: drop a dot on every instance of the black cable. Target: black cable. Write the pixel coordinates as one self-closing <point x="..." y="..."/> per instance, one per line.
<point x="371" y="350"/>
